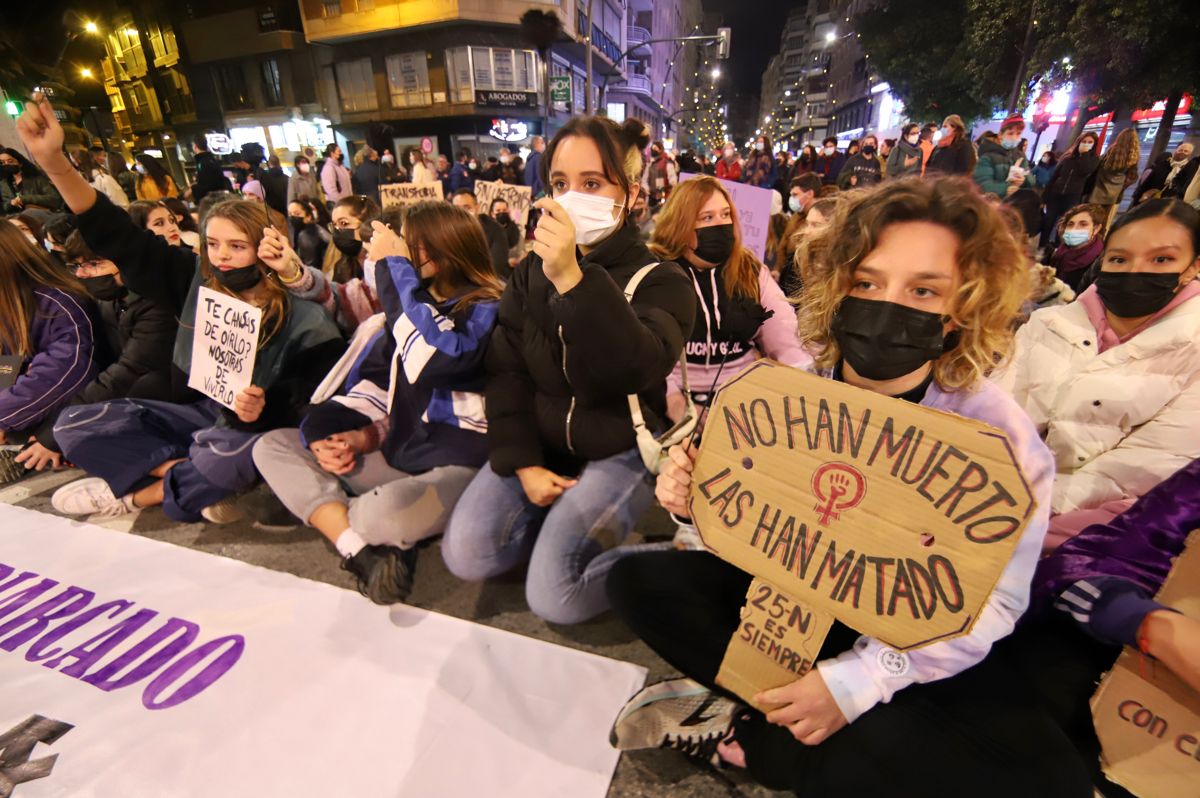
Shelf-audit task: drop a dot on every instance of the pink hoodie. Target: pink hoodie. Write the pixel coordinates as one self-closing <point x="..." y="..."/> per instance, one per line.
<point x="777" y="339"/>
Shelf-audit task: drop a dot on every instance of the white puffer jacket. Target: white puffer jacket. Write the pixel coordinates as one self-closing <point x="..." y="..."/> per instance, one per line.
<point x="1119" y="422"/>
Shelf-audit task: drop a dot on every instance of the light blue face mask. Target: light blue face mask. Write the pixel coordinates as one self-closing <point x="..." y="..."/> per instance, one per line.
<point x="1073" y="238"/>
<point x="794" y="204"/>
<point x="1009" y="144"/>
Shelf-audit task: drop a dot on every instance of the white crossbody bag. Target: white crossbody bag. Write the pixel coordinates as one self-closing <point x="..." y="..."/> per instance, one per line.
<point x="654" y="450"/>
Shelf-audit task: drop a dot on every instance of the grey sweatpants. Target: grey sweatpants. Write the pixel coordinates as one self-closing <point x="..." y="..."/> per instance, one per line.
<point x="387" y="507"/>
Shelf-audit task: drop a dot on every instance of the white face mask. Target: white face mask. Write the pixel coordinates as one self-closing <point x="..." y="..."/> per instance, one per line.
<point x="913" y="139"/>
<point x="505" y="159"/>
<point x="1084" y="146"/>
<point x="828" y="151"/>
<point x="386" y="159"/>
<point x="304" y="168"/>
<point x="729" y="153"/>
<point x="591" y="215"/>
<point x="472" y="166"/>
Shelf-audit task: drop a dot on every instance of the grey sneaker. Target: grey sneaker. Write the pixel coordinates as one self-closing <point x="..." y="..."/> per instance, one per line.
<point x="679" y="714"/>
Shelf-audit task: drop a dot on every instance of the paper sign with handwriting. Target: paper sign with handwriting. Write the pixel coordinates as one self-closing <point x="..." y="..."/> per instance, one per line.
<point x="394" y="195"/>
<point x="224" y="345"/>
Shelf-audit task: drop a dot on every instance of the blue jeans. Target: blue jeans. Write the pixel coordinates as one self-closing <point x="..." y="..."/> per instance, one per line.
<point x="570" y="545"/>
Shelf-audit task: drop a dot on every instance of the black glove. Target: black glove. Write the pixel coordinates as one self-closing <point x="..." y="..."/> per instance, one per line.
<point x="742" y="317"/>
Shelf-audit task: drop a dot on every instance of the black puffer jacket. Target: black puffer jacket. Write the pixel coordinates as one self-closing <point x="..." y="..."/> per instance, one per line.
<point x="1072" y="174"/>
<point x="561" y="365"/>
<point x="135" y="336"/>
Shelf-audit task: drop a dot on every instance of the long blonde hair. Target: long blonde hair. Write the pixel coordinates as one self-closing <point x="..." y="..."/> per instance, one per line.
<point x="991" y="262"/>
<point x="677" y="223"/>
<point x="24" y="267"/>
<point x="250" y="218"/>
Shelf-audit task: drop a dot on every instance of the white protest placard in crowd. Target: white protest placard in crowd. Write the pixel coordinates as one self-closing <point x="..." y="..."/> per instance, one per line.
<point x="519" y="199"/>
<point x="754" y="212"/>
<point x="224" y="345"/>
<point x="395" y="195"/>
<point x="132" y="667"/>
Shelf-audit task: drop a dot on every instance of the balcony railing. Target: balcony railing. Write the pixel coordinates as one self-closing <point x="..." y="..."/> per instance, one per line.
<point x="639" y="84"/>
<point x="636" y="35"/>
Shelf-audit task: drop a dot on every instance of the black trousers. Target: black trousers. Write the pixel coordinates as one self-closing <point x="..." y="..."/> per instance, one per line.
<point x="1017" y="724"/>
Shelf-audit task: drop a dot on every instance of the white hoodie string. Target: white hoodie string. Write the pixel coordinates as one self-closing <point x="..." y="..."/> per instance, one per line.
<point x="708" y="320"/>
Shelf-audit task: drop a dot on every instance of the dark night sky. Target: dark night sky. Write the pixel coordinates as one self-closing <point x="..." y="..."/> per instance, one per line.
<point x="756" y="25"/>
<point x="37" y="29"/>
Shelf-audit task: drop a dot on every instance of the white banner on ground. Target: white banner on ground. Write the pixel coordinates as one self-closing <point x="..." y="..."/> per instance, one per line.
<point x="224" y="345"/>
<point x="150" y="670"/>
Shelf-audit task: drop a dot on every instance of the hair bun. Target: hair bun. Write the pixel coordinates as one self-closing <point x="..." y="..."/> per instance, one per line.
<point x="635" y="133"/>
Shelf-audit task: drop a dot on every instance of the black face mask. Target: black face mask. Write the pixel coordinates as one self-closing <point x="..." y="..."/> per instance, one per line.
<point x="241" y="279"/>
<point x="1131" y="295"/>
<point x="883" y="340"/>
<point x="715" y="244"/>
<point x="868" y="150"/>
<point x="346" y="243"/>
<point x="297" y="223"/>
<point x="104" y="287"/>
<point x="503" y="218"/>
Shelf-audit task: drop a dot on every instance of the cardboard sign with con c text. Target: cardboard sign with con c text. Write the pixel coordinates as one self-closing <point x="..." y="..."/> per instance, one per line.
<point x="1147" y="718"/>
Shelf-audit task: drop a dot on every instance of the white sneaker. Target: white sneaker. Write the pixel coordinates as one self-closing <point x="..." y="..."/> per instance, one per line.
<point x="90" y="496"/>
<point x="688" y="539"/>
<point x="225" y="511"/>
<point x="679" y="714"/>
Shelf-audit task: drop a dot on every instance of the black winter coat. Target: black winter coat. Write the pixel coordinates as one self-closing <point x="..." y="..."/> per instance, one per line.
<point x="561" y="365"/>
<point x="209" y="177"/>
<point x="1072" y="174"/>
<point x="136" y="336"/>
<point x="956" y="158"/>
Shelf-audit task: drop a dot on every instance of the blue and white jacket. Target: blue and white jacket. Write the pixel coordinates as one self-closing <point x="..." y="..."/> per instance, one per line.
<point x="419" y="365"/>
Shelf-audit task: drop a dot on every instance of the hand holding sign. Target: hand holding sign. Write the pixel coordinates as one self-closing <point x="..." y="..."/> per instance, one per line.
<point x="675" y="480"/>
<point x="249" y="404"/>
<point x="808" y="710"/>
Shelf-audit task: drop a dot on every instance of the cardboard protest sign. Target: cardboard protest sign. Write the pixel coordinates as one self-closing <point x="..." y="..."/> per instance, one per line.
<point x="894" y="518"/>
<point x="394" y="195"/>
<point x="777" y="641"/>
<point x="224" y="345"/>
<point x="1147" y="718"/>
<point x="519" y="199"/>
<point x="753" y="209"/>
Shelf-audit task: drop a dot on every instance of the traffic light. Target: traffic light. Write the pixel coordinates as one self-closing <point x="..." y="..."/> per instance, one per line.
<point x="723" y="35"/>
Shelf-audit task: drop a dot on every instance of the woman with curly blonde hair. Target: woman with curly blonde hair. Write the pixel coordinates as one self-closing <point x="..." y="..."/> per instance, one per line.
<point x="914" y="288"/>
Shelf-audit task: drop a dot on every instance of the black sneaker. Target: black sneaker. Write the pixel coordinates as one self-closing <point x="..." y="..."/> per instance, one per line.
<point x="385" y="573"/>
<point x="10" y="469"/>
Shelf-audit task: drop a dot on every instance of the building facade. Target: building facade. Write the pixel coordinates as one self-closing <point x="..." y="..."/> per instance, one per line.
<point x="659" y="74"/>
<point x="151" y="96"/>
<point x="447" y="74"/>
<point x="254" y="65"/>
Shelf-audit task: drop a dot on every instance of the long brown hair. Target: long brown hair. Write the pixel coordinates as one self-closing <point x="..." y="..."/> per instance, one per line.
<point x="454" y="240"/>
<point x="1124" y="153"/>
<point x="991" y="264"/>
<point x="677" y="223"/>
<point x="250" y="218"/>
<point x="23" y="268"/>
<point x="343" y="268"/>
<point x="620" y="147"/>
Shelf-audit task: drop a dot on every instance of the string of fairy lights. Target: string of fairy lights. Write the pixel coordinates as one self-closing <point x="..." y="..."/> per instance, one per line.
<point x="706" y="121"/>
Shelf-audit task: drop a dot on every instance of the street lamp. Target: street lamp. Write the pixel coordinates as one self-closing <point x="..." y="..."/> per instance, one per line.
<point x="716" y="73"/>
<point x="85" y="73"/>
<point x="831" y="35"/>
<point x="90" y="27"/>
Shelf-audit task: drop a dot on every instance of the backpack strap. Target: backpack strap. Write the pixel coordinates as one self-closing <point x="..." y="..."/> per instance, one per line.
<point x="635" y="408"/>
